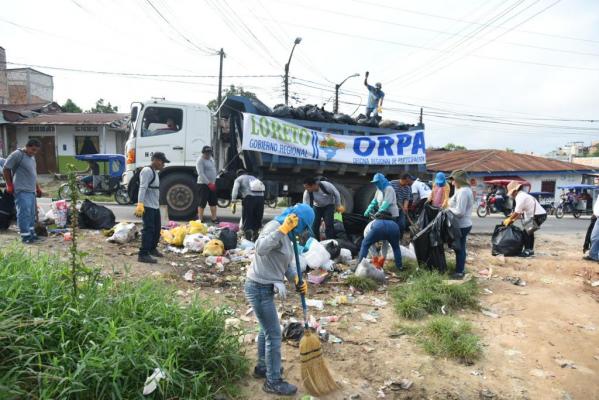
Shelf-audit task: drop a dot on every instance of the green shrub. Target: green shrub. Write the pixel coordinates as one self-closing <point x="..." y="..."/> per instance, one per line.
<point x="450" y="337"/>
<point x="107" y="341"/>
<point x="426" y="293"/>
<point x="361" y="283"/>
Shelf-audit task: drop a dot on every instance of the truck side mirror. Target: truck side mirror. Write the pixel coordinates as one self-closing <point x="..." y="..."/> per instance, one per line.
<point x="134" y="112"/>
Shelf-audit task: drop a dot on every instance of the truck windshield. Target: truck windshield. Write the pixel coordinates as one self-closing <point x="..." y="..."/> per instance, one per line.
<point x="161" y="121"/>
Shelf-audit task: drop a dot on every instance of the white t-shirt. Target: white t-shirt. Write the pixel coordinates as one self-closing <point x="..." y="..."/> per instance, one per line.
<point x="528" y="205"/>
<point x="596" y="207"/>
<point x="421" y="188"/>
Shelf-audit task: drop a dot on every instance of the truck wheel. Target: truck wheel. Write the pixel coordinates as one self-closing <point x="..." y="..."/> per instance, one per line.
<point x="347" y="197"/>
<point x="363" y="198"/>
<point x="180" y="193"/>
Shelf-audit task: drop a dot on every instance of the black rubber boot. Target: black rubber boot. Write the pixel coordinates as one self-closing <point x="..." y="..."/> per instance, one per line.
<point x="146" y="258"/>
<point x="156" y="253"/>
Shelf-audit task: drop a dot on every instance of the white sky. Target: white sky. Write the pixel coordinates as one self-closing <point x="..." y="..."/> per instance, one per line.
<point x="464" y="61"/>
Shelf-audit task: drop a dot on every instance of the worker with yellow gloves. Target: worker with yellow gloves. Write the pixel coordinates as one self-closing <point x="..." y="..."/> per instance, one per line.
<point x="375" y="98"/>
<point x="274" y="261"/>
<point x="148" y="208"/>
<point x="325" y="199"/>
<point x="251" y="190"/>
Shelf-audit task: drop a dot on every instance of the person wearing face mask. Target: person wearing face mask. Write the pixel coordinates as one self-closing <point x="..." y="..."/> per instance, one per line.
<point x="384" y="198"/>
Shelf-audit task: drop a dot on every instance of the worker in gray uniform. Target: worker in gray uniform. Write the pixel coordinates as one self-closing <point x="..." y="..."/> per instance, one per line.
<point x="148" y="208"/>
<point x="325" y="199"/>
<point x="251" y="190"/>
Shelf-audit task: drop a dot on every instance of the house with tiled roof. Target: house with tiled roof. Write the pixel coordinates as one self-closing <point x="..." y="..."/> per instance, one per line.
<point x="543" y="174"/>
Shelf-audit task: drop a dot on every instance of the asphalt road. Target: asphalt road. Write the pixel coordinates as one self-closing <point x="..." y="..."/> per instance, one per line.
<point x="567" y="225"/>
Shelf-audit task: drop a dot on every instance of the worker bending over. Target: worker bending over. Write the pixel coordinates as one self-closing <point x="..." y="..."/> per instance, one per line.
<point x="383" y="228"/>
<point x="325" y="199"/>
<point x="251" y="190"/>
<point x="273" y="262"/>
<point x="148" y="208"/>
<point x="384" y="199"/>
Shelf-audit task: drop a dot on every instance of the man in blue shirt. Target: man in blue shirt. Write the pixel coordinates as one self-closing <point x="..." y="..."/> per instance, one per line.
<point x="375" y="97"/>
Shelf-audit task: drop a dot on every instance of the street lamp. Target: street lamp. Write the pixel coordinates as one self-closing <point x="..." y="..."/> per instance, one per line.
<point x="337" y="86"/>
<point x="297" y="41"/>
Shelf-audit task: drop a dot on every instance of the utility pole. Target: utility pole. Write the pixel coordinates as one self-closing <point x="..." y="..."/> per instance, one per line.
<point x="337" y="86"/>
<point x="219" y="98"/>
<point x="420" y="120"/>
<point x="286" y="79"/>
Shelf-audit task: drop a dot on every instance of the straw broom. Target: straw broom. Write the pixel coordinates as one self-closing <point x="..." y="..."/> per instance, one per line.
<point x="316" y="376"/>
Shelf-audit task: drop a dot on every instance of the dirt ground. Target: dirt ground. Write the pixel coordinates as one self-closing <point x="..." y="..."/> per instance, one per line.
<point x="540" y="342"/>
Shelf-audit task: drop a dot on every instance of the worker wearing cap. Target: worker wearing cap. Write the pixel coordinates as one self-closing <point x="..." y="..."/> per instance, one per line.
<point x="251" y="190"/>
<point x="375" y="97"/>
<point x="148" y="208"/>
<point x="206" y="169"/>
<point x="384" y="198"/>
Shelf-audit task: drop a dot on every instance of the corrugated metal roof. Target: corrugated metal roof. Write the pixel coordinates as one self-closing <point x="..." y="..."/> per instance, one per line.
<point x="112" y="119"/>
<point x="29" y="108"/>
<point x="492" y="161"/>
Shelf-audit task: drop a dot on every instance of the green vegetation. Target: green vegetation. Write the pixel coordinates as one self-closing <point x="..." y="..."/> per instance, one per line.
<point x="70" y="107"/>
<point x="360" y="283"/>
<point x="453" y="147"/>
<point x="451" y="337"/>
<point x="100" y="107"/>
<point x="104" y="342"/>
<point x="427" y="292"/>
<point x="231" y="91"/>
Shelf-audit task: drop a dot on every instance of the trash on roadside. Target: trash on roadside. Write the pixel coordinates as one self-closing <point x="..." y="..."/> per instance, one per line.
<point x="196" y="227"/>
<point x="378" y="302"/>
<point x="59" y="213"/>
<point x="68" y="236"/>
<point x="229" y="225"/>
<point x="317" y="276"/>
<point x="334" y="339"/>
<point x="176" y="250"/>
<point x="152" y="381"/>
<point x="489" y="313"/>
<point x="293" y="331"/>
<point x="123" y="233"/>
<point x="345" y="256"/>
<point x="189" y="276"/>
<point x="366" y="270"/>
<point x="245" y="244"/>
<point x="213" y="260"/>
<point x="316" y="255"/>
<point x="214" y="248"/>
<point x="195" y="242"/>
<point x="228" y="238"/>
<point x="174" y="236"/>
<point x="319" y="304"/>
<point x="368" y="317"/>
<point x="95" y="216"/>
<point x="514" y="280"/>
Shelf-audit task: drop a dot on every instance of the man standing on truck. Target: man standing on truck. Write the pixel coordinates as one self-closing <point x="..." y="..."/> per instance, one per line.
<point x="251" y="190"/>
<point x="206" y="169"/>
<point x="148" y="208"/>
<point x="20" y="175"/>
<point x="375" y="97"/>
<point x="325" y="199"/>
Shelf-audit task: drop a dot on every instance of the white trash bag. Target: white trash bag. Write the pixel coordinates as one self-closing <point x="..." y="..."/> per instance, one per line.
<point x="124" y="232"/>
<point x="195" y="242"/>
<point x="366" y="270"/>
<point x="344" y="256"/>
<point x="317" y="255"/>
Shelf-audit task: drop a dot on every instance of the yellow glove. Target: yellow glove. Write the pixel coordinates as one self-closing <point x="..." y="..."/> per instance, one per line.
<point x="379" y="109"/>
<point x="507" y="221"/>
<point x="341" y="209"/>
<point x="139" y="210"/>
<point x="290" y="223"/>
<point x="234" y="207"/>
<point x="303" y="288"/>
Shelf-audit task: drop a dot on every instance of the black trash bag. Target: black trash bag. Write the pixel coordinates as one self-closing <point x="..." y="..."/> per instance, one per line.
<point x="343" y="119"/>
<point x="95" y="216"/>
<point x="8" y="210"/>
<point x="229" y="238"/>
<point x="315" y="114"/>
<point x="347" y="244"/>
<point x="355" y="224"/>
<point x="282" y="111"/>
<point x="587" y="239"/>
<point x="339" y="230"/>
<point x="328" y="116"/>
<point x="333" y="248"/>
<point x="507" y="240"/>
<point x="293" y="331"/>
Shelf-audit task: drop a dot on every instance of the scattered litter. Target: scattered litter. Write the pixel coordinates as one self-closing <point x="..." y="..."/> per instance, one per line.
<point x="402" y="384"/>
<point x="123" y="233"/>
<point x="487" y="394"/>
<point x="214" y="248"/>
<point x="487" y="291"/>
<point x="443" y="309"/>
<point x="317" y="276"/>
<point x="293" y="331"/>
<point x="59" y="213"/>
<point x="232" y="323"/>
<point x="594" y="283"/>
<point x="315" y="303"/>
<point x="326" y="320"/>
<point x="546" y="281"/>
<point x="195" y="242"/>
<point x="486" y="273"/>
<point x="489" y="313"/>
<point x="152" y="381"/>
<point x="176" y="250"/>
<point x="68" y="236"/>
<point x="344" y="256"/>
<point x="565" y="363"/>
<point x="334" y="339"/>
<point x="378" y="302"/>
<point x="215" y="260"/>
<point x="514" y="280"/>
<point x="476" y="372"/>
<point x="196" y="227"/>
<point x="317" y="255"/>
<point x="245" y="244"/>
<point x="539" y="373"/>
<point x="367" y="270"/>
<point x="369" y="317"/>
<point x="189" y="276"/>
<point x="174" y="236"/>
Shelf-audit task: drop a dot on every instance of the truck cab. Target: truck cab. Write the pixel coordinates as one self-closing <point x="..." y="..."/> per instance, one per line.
<point x="180" y="130"/>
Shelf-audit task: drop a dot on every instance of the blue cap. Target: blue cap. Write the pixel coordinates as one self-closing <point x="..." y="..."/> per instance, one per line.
<point x="378" y="177"/>
<point x="440" y="179"/>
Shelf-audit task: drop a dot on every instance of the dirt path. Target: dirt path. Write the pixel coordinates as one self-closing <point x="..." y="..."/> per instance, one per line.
<point x="543" y="345"/>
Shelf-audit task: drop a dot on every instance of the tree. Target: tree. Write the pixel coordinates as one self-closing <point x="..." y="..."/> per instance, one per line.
<point x="231" y="91"/>
<point x="69" y="106"/>
<point x="509" y="150"/>
<point x="453" y="147"/>
<point x="103" y="108"/>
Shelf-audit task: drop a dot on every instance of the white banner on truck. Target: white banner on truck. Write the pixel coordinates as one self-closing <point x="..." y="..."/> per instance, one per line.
<point x="275" y="136"/>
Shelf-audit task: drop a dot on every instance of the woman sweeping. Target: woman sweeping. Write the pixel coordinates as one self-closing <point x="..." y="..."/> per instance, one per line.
<point x="460" y="205"/>
<point x="265" y="277"/>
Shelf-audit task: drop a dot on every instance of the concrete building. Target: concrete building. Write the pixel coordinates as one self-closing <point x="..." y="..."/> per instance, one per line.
<point x="65" y="135"/>
<point x="544" y="175"/>
<point x="24" y="85"/>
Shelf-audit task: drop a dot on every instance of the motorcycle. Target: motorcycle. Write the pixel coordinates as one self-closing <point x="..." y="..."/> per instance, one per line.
<point x="488" y="205"/>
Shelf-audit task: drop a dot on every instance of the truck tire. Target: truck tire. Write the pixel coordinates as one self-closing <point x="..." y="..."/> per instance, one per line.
<point x="347" y="197"/>
<point x="363" y="198"/>
<point x="179" y="192"/>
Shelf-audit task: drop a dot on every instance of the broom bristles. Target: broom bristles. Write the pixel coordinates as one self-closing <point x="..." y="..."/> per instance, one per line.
<point x="316" y="376"/>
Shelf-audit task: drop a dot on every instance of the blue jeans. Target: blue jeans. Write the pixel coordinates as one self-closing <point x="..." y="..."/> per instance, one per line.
<point x="25" y="202"/>
<point x="261" y="297"/>
<point x="387" y="230"/>
<point x="460" y="255"/>
<point x="594" y="252"/>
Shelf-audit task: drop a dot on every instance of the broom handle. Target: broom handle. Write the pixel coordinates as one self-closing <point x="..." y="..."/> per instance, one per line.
<point x="299" y="277"/>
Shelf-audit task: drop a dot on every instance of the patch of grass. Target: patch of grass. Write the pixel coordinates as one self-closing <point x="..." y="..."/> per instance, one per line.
<point x="426" y="293"/>
<point x="451" y="337"/>
<point x="105" y="342"/>
<point x="360" y="283"/>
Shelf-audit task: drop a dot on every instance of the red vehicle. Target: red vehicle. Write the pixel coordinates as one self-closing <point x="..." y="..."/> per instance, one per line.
<point x="496" y="200"/>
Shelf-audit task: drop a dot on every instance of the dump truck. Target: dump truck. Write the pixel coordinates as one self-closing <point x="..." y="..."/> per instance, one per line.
<point x="284" y="151"/>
